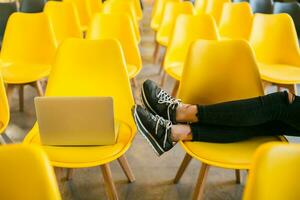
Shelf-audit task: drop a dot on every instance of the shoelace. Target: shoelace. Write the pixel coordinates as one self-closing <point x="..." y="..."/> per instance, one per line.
<point x="168" y="124"/>
<point x="164" y="97"/>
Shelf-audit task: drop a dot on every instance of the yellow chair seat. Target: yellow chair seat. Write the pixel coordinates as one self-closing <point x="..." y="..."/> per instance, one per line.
<point x="18" y="73"/>
<point x="175" y="70"/>
<point x="227" y="155"/>
<point x="132" y="70"/>
<point x="163" y="40"/>
<point x="73" y="157"/>
<point x="283" y="74"/>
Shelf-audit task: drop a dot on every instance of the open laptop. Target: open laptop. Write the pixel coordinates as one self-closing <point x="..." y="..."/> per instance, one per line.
<point x="72" y="121"/>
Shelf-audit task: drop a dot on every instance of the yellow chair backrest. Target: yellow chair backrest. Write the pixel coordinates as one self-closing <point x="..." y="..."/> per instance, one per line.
<point x="138" y="8"/>
<point x="26" y="173"/>
<point x="155" y="4"/>
<point x="95" y="6"/>
<point x="135" y="5"/>
<point x="29" y="38"/>
<point x="189" y="28"/>
<point x="84" y="11"/>
<point x="171" y="12"/>
<point x="219" y="71"/>
<point x="118" y="7"/>
<point x="215" y="7"/>
<point x="4" y="107"/>
<point x="64" y="19"/>
<point x="275" y="173"/>
<point x="159" y="12"/>
<point x="92" y="68"/>
<point x="200" y="6"/>
<point x="274" y="39"/>
<point x="236" y="20"/>
<point x="119" y="27"/>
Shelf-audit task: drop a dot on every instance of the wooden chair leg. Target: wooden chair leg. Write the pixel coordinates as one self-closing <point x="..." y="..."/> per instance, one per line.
<point x="21" y="98"/>
<point x="9" y="91"/>
<point x="134" y="82"/>
<point x="291" y="87"/>
<point x="175" y="89"/>
<point x="39" y="88"/>
<point x="161" y="68"/>
<point x="58" y="173"/>
<point x="70" y="173"/>
<point x="126" y="168"/>
<point x="163" y="79"/>
<point x="237" y="176"/>
<point x="156" y="53"/>
<point x="107" y="176"/>
<point x="198" y="194"/>
<point x="187" y="159"/>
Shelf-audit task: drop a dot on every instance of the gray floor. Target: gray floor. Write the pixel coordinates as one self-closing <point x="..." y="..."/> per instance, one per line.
<point x="153" y="175"/>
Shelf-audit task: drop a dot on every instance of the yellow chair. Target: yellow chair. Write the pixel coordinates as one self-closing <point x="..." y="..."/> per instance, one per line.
<point x="118" y="27"/>
<point x="275" y="173"/>
<point x="96" y="6"/>
<point x="138" y="9"/>
<point x="188" y="28"/>
<point x="84" y="10"/>
<point x="26" y="173"/>
<point x="275" y="43"/>
<point x="158" y="13"/>
<point x="215" y="7"/>
<point x="154" y="7"/>
<point x="118" y="7"/>
<point x="213" y="73"/>
<point x="92" y="68"/>
<point x="200" y="6"/>
<point x="4" y="107"/>
<point x="64" y="20"/>
<point x="171" y="11"/>
<point x="27" y="52"/>
<point x="136" y="6"/>
<point x="236" y="21"/>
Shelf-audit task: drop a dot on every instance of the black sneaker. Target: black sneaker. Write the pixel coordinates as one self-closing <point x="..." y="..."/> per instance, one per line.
<point x="155" y="129"/>
<point x="158" y="101"/>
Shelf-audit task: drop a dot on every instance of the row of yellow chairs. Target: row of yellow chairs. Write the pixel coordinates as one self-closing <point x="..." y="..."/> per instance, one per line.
<point x="68" y="77"/>
<point x="26" y="173"/>
<point x="27" y="53"/>
<point x="81" y="68"/>
<point x="179" y="27"/>
<point x="105" y="65"/>
<point x="87" y="8"/>
<point x="78" y="68"/>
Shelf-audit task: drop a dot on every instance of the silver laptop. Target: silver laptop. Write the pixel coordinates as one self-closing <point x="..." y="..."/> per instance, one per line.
<point x="72" y="121"/>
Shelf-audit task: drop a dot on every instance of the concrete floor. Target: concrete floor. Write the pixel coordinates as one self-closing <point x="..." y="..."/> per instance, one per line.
<point x="153" y="174"/>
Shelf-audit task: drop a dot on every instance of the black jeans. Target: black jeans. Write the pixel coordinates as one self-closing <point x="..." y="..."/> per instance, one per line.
<point x="267" y="115"/>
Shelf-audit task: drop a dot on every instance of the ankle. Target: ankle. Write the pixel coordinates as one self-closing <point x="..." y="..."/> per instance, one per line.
<point x="186" y="113"/>
<point x="181" y="132"/>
